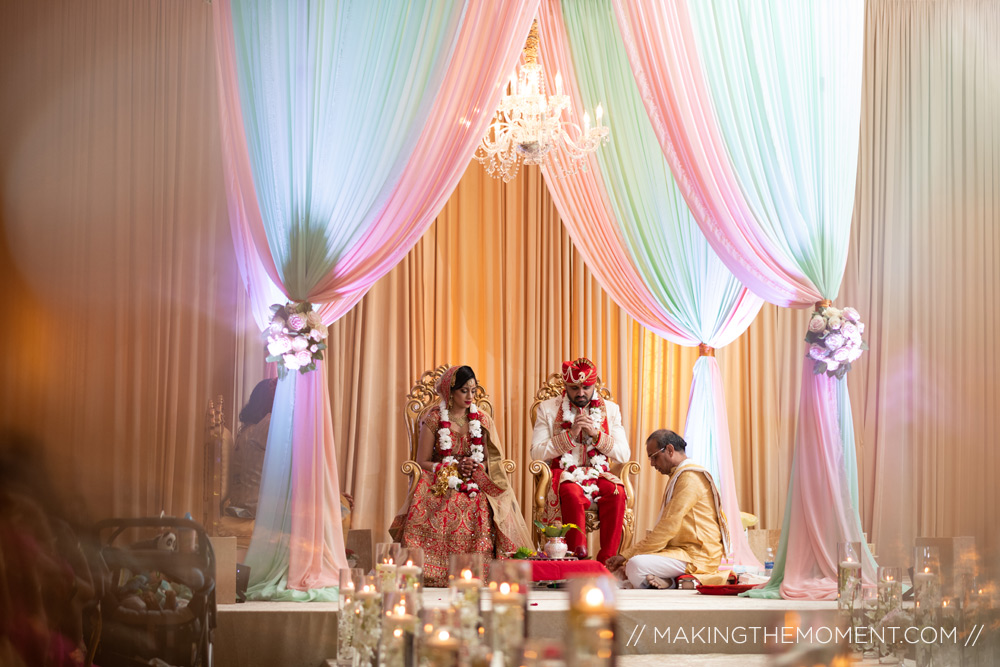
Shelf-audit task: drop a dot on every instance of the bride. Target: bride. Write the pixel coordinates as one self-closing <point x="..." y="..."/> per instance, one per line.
<point x="462" y="502"/>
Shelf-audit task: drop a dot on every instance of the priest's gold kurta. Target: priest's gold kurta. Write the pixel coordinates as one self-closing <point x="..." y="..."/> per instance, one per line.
<point x="688" y="528"/>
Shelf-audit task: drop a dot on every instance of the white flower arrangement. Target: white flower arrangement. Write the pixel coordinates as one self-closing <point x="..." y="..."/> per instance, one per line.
<point x="834" y="339"/>
<point x="295" y="337"/>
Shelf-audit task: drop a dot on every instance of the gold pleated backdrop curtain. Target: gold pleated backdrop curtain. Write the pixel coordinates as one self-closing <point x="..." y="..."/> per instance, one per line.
<point x="116" y="264"/>
<point x="123" y="314"/>
<point x="924" y="270"/>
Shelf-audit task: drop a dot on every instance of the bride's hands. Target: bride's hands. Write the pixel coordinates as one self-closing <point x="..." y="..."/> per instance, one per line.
<point x="466" y="466"/>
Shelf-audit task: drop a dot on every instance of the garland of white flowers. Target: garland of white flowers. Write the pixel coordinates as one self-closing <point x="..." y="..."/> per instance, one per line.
<point x="449" y="462"/>
<point x="584" y="475"/>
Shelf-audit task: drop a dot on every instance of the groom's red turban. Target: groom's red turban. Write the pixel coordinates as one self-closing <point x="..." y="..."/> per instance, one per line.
<point x="582" y="371"/>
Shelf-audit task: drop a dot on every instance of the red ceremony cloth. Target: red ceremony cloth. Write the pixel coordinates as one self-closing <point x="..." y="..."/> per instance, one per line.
<point x="555" y="570"/>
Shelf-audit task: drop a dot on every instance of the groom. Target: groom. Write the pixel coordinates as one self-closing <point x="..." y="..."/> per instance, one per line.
<point x="580" y="435"/>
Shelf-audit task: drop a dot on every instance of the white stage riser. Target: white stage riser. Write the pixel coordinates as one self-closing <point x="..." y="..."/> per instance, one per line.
<point x="649" y="623"/>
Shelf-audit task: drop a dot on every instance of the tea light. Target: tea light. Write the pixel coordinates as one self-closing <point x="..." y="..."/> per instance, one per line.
<point x="466" y="581"/>
<point x="386" y="573"/>
<point x="504" y="594"/>
<point x="409" y="570"/>
<point x="441" y="649"/>
<point x="367" y="592"/>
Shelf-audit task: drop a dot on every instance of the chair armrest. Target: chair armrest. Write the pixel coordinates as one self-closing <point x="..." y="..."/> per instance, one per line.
<point x="628" y="530"/>
<point x="543" y="479"/>
<point x="413" y="470"/>
<point x="508" y="466"/>
<point x="629" y="468"/>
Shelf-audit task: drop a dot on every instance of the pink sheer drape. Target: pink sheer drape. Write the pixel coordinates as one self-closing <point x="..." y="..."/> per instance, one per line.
<point x="489" y="43"/>
<point x="662" y="48"/>
<point x="586" y="210"/>
<point x="585" y="207"/>
<point x="316" y="554"/>
<point x="661" y="45"/>
<point x="818" y="515"/>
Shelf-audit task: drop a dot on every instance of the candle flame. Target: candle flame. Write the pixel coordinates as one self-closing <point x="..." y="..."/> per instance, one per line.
<point x="594" y="597"/>
<point x="927" y="570"/>
<point x="467" y="574"/>
<point x="505" y="588"/>
<point x="444" y="635"/>
<point x="397" y="633"/>
<point x="399" y="609"/>
<point x="409" y="563"/>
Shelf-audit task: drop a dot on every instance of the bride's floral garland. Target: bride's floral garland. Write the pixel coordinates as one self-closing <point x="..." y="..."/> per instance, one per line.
<point x="448" y="466"/>
<point x="584" y="475"/>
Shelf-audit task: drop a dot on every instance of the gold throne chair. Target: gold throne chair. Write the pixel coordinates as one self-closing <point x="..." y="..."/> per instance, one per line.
<point x="421" y="399"/>
<point x="545" y="503"/>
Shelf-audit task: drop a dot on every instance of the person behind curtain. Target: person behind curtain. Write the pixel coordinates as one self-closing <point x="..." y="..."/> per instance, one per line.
<point x="690" y="535"/>
<point x="462" y="502"/>
<point x="248" y="455"/>
<point x="580" y="434"/>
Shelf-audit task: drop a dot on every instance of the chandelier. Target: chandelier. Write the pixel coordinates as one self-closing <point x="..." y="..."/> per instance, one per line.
<point x="528" y="124"/>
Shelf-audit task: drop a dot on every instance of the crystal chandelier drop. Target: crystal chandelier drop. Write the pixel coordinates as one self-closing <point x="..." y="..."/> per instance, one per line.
<point x="528" y="124"/>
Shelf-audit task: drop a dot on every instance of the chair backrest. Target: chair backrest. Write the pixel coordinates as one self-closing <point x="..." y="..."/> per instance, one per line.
<point x="422" y="398"/>
<point x="553" y="386"/>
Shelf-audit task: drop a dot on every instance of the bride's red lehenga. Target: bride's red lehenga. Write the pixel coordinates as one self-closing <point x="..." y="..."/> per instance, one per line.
<point x="455" y="523"/>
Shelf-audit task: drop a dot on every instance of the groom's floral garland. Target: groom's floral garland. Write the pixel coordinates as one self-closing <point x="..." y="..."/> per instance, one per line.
<point x="447" y="467"/>
<point x="295" y="337"/>
<point x="834" y="339"/>
<point x="584" y="475"/>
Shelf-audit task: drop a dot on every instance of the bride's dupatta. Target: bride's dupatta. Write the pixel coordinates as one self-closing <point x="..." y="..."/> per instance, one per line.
<point x="506" y="510"/>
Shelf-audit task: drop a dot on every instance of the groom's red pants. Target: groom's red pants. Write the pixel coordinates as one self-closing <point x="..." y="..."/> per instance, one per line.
<point x="610" y="511"/>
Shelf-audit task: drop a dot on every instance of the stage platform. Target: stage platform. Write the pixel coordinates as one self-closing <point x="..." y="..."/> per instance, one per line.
<point x="650" y="622"/>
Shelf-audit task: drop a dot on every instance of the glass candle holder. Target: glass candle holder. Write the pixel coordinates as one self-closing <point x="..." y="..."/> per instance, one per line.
<point x="439" y="645"/>
<point x="465" y="581"/>
<point x="591" y="625"/>
<point x="397" y="646"/>
<point x="350" y="580"/>
<point x="926" y="598"/>
<point x="949" y="624"/>
<point x="848" y="576"/>
<point x="866" y="623"/>
<point x="890" y="622"/>
<point x="410" y="575"/>
<point x="509" y="582"/>
<point x="368" y="615"/>
<point x="386" y="561"/>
